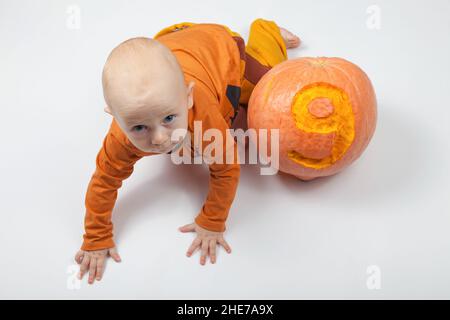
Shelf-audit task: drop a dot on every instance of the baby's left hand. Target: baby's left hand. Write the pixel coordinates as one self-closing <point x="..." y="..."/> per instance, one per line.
<point x="206" y="240"/>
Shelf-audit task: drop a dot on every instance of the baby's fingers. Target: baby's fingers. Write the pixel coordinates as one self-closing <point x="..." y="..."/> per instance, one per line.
<point x="92" y="269"/>
<point x="193" y="246"/>
<point x="100" y="268"/>
<point x="84" y="266"/>
<point x="225" y="245"/>
<point x="113" y="253"/>
<point x="187" y="228"/>
<point x="212" y="250"/>
<point x="79" y="256"/>
<point x="204" y="252"/>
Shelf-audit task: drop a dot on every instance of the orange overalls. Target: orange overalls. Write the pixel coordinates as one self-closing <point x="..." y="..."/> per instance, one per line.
<point x="225" y="72"/>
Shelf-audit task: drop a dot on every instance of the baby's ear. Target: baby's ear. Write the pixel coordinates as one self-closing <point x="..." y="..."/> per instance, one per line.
<point x="190" y="91"/>
<point x="108" y="110"/>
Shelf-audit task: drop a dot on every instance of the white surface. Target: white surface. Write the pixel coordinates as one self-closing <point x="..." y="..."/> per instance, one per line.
<point x="290" y="239"/>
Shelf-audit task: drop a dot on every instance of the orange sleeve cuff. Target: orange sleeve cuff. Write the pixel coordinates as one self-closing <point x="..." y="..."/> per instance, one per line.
<point x="97" y="245"/>
<point x="216" y="226"/>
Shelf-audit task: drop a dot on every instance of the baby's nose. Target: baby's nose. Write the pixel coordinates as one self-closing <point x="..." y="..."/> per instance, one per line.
<point x="158" y="138"/>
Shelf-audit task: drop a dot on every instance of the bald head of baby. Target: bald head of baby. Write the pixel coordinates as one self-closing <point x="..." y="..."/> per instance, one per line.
<point x="145" y="91"/>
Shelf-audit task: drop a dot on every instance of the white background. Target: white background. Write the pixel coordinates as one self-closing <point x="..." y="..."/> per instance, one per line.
<point x="290" y="239"/>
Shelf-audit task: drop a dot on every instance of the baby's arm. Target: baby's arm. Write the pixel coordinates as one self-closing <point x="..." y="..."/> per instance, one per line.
<point x="223" y="181"/>
<point x="114" y="163"/>
<point x="210" y="222"/>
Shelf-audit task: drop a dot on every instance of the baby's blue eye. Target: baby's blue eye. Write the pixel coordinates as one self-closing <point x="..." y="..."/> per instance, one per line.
<point x="139" y="128"/>
<point x="169" y="118"/>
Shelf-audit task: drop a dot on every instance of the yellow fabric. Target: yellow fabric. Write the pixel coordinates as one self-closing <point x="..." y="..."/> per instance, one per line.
<point x="174" y="27"/>
<point x="266" y="45"/>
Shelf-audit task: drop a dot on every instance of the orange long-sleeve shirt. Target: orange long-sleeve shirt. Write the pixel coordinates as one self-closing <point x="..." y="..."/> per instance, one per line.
<point x="208" y="55"/>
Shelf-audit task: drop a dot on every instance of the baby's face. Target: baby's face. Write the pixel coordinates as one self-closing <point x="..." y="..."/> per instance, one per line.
<point x="145" y="90"/>
<point x="150" y="126"/>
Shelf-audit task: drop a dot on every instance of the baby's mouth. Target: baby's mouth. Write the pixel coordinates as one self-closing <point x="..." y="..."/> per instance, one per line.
<point x="159" y="149"/>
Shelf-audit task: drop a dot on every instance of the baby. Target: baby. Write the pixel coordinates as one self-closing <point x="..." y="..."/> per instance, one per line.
<point x="153" y="87"/>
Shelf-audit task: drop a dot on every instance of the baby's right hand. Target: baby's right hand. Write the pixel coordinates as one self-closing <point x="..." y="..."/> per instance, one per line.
<point x="94" y="261"/>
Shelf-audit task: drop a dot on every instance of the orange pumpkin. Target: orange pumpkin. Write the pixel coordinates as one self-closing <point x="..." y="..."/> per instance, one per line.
<point x="325" y="110"/>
